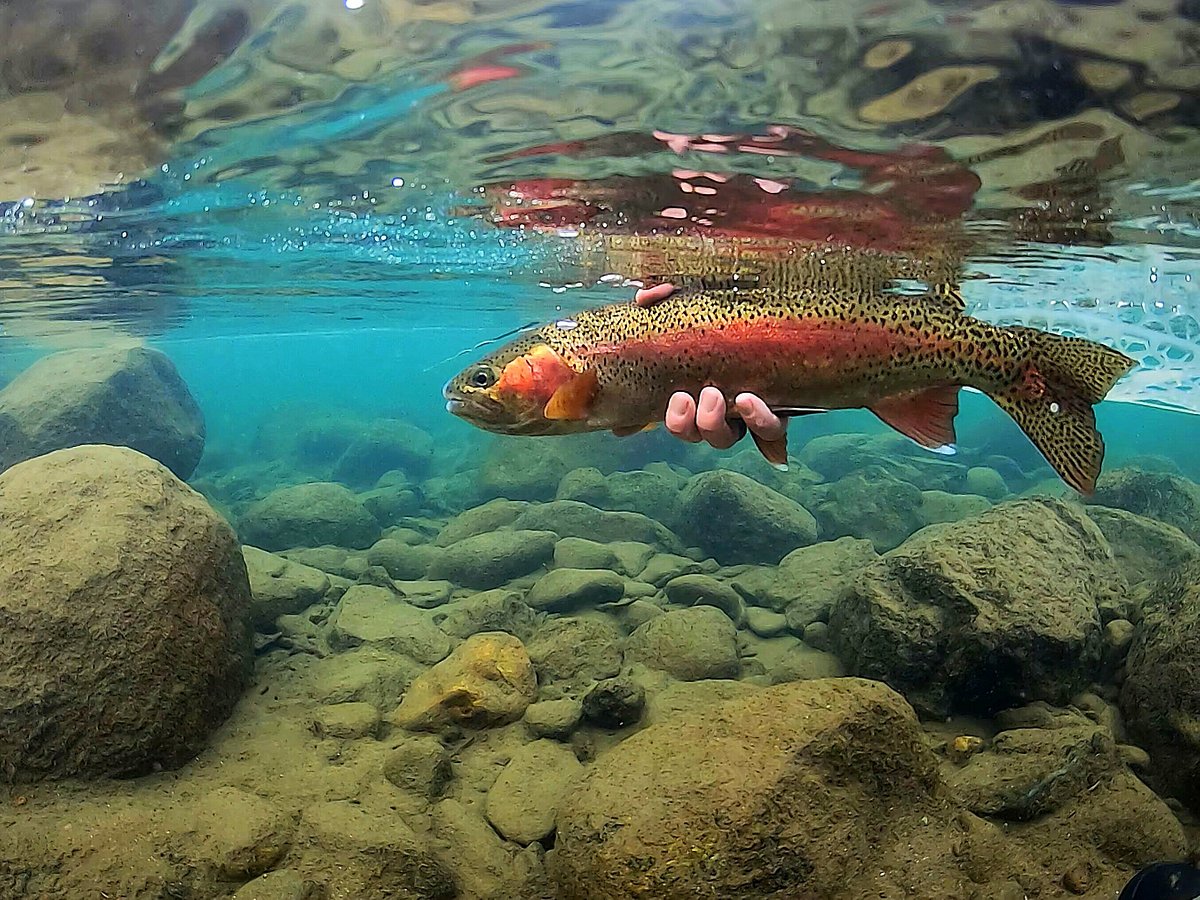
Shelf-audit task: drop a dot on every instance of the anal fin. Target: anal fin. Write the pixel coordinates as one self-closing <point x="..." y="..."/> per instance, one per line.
<point x="627" y="430"/>
<point x="926" y="417"/>
<point x="573" y="399"/>
<point x="774" y="452"/>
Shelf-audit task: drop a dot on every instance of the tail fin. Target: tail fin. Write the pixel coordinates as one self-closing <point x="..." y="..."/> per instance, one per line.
<point x="1065" y="378"/>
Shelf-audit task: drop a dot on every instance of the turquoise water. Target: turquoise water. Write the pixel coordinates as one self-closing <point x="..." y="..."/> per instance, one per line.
<point x="320" y="212"/>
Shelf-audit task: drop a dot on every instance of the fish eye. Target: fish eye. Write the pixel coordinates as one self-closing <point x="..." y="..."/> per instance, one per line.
<point x="482" y="377"/>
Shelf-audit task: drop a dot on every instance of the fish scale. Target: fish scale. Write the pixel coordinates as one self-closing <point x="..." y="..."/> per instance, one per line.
<point x="903" y="357"/>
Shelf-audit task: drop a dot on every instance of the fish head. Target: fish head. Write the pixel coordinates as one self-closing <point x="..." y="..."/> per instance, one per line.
<point x="510" y="391"/>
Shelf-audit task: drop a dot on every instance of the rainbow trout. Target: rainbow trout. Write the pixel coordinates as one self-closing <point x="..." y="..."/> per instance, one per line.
<point x="902" y="357"/>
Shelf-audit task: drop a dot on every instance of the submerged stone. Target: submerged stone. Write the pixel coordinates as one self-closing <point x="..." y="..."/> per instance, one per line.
<point x="280" y="586"/>
<point x="873" y="504"/>
<point x="569" y="518"/>
<point x="523" y="803"/>
<point x="690" y="644"/>
<point x="489" y="560"/>
<point x="480" y="520"/>
<point x="575" y="652"/>
<point x="127" y="397"/>
<point x="1158" y="495"/>
<point x="367" y="614"/>
<point x="494" y="610"/>
<point x="738" y="520"/>
<point x="984" y="613"/>
<point x="562" y="589"/>
<point x="309" y="515"/>
<point x="487" y="680"/>
<point x="126" y="607"/>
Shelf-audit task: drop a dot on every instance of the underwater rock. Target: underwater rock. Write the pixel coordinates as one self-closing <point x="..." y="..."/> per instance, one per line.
<point x="554" y="718"/>
<point x="367" y="614"/>
<point x="1158" y="495"/>
<point x="812" y="579"/>
<point x="563" y="589"/>
<point x="523" y="803"/>
<point x="1070" y="780"/>
<point x="489" y="560"/>
<point x="280" y="586"/>
<point x="580" y="553"/>
<point x="420" y="764"/>
<point x="423" y="593"/>
<point x="480" y="520"/>
<point x="391" y="504"/>
<point x="817" y="636"/>
<point x="127" y="605"/>
<point x="871" y="504"/>
<point x="985" y="613"/>
<point x="403" y="561"/>
<point x="336" y="561"/>
<point x="365" y="674"/>
<point x="834" y="456"/>
<point x="380" y="447"/>
<point x="1144" y="548"/>
<point x="278" y="884"/>
<point x="654" y="494"/>
<point x="704" y="590"/>
<point x="785" y="791"/>
<point x="663" y="567"/>
<point x="941" y="506"/>
<point x="569" y="518"/>
<point x="1160" y="698"/>
<point x="690" y="644"/>
<point x="487" y="680"/>
<point x="309" y="515"/>
<point x="237" y="834"/>
<point x="615" y="702"/>
<point x="494" y="610"/>
<point x="127" y="397"/>
<point x="986" y="482"/>
<point x="348" y="721"/>
<point x="377" y="855"/>
<point x="483" y="861"/>
<point x="765" y="623"/>
<point x="523" y="470"/>
<point x="740" y="521"/>
<point x="575" y="652"/>
<point x="802" y="662"/>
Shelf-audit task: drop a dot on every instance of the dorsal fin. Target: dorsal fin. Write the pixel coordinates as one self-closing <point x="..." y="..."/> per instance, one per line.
<point x="948" y="295"/>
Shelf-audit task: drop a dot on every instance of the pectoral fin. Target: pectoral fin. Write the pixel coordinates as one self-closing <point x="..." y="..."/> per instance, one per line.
<point x="926" y="417"/>
<point x="573" y="399"/>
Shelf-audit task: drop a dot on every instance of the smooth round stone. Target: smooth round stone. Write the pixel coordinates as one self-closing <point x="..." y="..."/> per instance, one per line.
<point x="764" y="622"/>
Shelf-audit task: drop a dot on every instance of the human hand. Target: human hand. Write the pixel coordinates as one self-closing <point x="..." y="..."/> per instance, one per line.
<point x="708" y="418"/>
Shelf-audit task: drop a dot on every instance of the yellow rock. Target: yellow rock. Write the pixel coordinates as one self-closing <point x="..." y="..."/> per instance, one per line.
<point x="964" y="746"/>
<point x="887" y="53"/>
<point x="1103" y="76"/>
<point x="487" y="680"/>
<point x="927" y="94"/>
<point x="1150" y="103"/>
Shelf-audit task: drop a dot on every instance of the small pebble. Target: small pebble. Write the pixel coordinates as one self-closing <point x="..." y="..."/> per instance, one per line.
<point x="1077" y="879"/>
<point x="816" y="635"/>
<point x="1134" y="757"/>
<point x="1118" y="634"/>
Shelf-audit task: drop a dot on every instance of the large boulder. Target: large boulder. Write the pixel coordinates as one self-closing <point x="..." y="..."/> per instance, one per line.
<point x="738" y="520"/>
<point x="309" y="515"/>
<point x="1159" y="495"/>
<point x="791" y="791"/>
<point x="1144" y="548"/>
<point x="986" y="613"/>
<point x="1161" y="695"/>
<point x="127" y="397"/>
<point x="872" y="504"/>
<point x="124" y="607"/>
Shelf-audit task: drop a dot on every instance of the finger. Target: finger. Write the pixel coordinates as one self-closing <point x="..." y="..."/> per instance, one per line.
<point x="711" y="422"/>
<point x="652" y="295"/>
<point x="681" y="417"/>
<point x="758" y="417"/>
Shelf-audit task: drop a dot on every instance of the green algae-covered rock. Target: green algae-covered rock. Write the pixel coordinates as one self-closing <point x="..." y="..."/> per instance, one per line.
<point x="367" y="614"/>
<point x="480" y="520"/>
<point x="574" y="652"/>
<point x="494" y="610"/>
<point x="942" y="506"/>
<point x="704" y="590"/>
<point x="738" y="520"/>
<point x="309" y="515"/>
<point x="402" y="560"/>
<point x="812" y="579"/>
<point x="1144" y="548"/>
<point x="1160" y="698"/>
<point x="489" y="560"/>
<point x="690" y="644"/>
<point x="570" y="518"/>
<point x="561" y="589"/>
<point x="280" y="586"/>
<point x="523" y="802"/>
<point x="984" y="613"/>
<point x="871" y="504"/>
<point x="654" y="494"/>
<point x="382" y="446"/>
<point x="1158" y="495"/>
<point x="789" y="791"/>
<point x="986" y="482"/>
